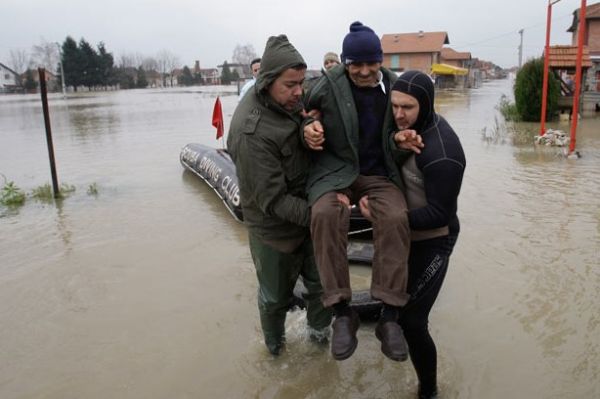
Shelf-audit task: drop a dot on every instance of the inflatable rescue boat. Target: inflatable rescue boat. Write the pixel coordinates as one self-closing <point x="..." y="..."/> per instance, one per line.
<point x="216" y="168"/>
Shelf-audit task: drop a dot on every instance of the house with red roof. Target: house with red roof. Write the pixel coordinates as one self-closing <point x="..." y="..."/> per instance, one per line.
<point x="449" y="56"/>
<point x="418" y="50"/>
<point x="425" y="51"/>
<point x="10" y="81"/>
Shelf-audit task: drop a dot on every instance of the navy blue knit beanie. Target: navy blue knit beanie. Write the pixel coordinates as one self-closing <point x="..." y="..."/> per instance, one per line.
<point x="361" y="45"/>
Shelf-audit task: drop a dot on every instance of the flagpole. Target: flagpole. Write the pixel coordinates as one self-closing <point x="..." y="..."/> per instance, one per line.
<point x="223" y="132"/>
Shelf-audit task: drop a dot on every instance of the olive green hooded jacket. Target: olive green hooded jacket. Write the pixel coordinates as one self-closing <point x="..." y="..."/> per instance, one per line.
<point x="336" y="167"/>
<point x="270" y="161"/>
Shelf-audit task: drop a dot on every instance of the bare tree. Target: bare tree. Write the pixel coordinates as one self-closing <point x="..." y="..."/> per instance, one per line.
<point x="131" y="60"/>
<point x="45" y="55"/>
<point x="174" y="63"/>
<point x="167" y="61"/>
<point x="243" y="54"/>
<point x="19" y="60"/>
<point x="149" y="64"/>
<point x="125" y="61"/>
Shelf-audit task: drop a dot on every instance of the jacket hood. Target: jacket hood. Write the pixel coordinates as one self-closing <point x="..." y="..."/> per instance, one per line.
<point x="418" y="85"/>
<point x="278" y="56"/>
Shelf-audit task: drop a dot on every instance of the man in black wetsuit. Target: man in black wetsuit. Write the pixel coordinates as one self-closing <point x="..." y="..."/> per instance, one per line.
<point x="432" y="179"/>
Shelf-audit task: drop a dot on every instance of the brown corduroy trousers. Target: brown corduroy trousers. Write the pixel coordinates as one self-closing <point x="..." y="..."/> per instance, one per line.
<point x="330" y="221"/>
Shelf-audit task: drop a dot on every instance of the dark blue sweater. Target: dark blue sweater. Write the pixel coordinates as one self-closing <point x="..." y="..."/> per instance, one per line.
<point x="371" y="103"/>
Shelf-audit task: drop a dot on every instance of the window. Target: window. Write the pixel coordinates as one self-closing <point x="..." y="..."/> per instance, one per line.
<point x="395" y="61"/>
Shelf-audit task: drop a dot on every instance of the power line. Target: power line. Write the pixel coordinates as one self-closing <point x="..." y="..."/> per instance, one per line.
<point x="511" y="46"/>
<point x="512" y="32"/>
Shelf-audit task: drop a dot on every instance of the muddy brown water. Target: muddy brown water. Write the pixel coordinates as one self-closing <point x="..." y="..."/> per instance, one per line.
<point x="147" y="289"/>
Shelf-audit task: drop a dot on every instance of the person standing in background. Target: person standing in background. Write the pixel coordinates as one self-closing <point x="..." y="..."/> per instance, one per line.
<point x="330" y="60"/>
<point x="255" y="68"/>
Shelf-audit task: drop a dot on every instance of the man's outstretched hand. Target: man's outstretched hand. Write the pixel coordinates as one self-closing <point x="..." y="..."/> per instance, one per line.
<point x="408" y="139"/>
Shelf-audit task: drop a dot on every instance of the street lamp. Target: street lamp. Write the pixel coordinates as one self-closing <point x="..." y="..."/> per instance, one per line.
<point x="578" y="77"/>
<point x="62" y="71"/>
<point x="546" y="62"/>
<point x="578" y="73"/>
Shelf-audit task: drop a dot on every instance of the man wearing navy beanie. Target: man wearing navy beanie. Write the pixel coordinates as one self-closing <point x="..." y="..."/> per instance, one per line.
<point x="353" y="157"/>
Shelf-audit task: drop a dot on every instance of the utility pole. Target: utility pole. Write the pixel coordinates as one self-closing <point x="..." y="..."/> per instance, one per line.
<point x="62" y="71"/>
<point x="521" y="49"/>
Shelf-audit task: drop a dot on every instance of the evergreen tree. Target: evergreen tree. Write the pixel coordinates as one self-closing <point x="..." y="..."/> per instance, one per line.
<point x="105" y="64"/>
<point x="71" y="62"/>
<point x="124" y="78"/>
<point x="235" y="76"/>
<point x="90" y="67"/>
<point x="30" y="83"/>
<point x="84" y="66"/>
<point x="186" y="78"/>
<point x="129" y="81"/>
<point x="120" y="78"/>
<point x="142" y="81"/>
<point x="226" y="76"/>
<point x="528" y="91"/>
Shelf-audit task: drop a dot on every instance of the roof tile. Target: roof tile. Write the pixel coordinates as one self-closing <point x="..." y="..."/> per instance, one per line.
<point x="417" y="42"/>
<point x="566" y="56"/>
<point x="451" y="54"/>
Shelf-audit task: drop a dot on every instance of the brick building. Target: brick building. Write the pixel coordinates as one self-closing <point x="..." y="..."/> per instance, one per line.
<point x="419" y="50"/>
<point x="591" y="40"/>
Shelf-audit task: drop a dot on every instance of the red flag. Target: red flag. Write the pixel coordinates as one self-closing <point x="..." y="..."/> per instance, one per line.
<point x="217" y="119"/>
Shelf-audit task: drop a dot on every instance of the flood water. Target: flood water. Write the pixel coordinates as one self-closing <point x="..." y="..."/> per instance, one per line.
<point x="147" y="289"/>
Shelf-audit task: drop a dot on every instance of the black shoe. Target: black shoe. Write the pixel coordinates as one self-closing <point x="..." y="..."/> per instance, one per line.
<point x="393" y="344"/>
<point x="275" y="346"/>
<point x="431" y="395"/>
<point x="343" y="339"/>
<point x="275" y="349"/>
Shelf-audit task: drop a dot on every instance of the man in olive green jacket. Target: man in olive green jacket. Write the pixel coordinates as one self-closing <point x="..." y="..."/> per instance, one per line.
<point x="271" y="167"/>
<point x="354" y="157"/>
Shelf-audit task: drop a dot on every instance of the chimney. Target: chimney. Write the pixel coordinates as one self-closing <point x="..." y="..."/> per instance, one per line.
<point x="197" y="66"/>
<point x="421" y="34"/>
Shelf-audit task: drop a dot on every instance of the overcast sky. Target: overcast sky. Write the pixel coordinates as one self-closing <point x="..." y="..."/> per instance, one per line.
<point x="209" y="30"/>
